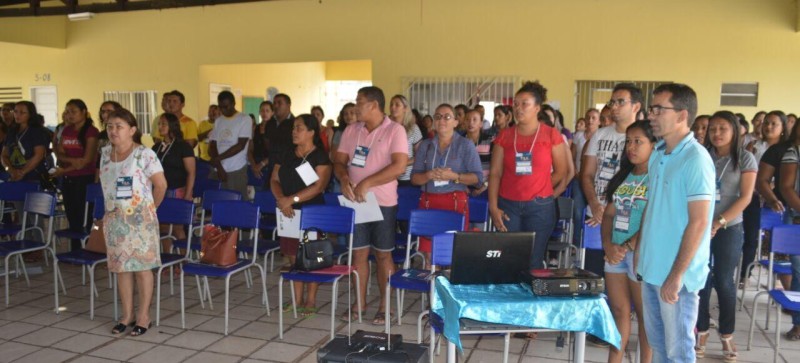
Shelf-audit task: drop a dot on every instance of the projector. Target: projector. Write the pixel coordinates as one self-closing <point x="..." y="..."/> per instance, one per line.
<point x="563" y="282"/>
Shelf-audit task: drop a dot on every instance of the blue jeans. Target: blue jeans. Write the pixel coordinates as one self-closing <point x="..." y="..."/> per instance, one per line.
<point x="726" y="247"/>
<point x="670" y="327"/>
<point x="536" y="215"/>
<point x="795" y="284"/>
<point x="577" y="212"/>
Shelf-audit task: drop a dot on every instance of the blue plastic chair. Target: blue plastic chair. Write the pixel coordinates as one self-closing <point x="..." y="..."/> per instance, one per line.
<point x="201" y="185"/>
<point x="267" y="247"/>
<point x="769" y="219"/>
<point x="785" y="240"/>
<point x="93" y="192"/>
<point x="234" y="214"/>
<point x="36" y="204"/>
<point x="423" y="223"/>
<point x="253" y="181"/>
<point x="13" y="192"/>
<point x="86" y="259"/>
<point x="328" y="219"/>
<point x="202" y="171"/>
<point x="174" y="212"/>
<point x="561" y="238"/>
<point x="332" y="198"/>
<point x="479" y="213"/>
<point x="210" y="197"/>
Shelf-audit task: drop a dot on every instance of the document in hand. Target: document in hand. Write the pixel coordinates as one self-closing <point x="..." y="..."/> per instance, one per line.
<point x="288" y="227"/>
<point x="368" y="211"/>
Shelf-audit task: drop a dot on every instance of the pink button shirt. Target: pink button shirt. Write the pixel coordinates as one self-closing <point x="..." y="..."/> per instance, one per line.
<point x="387" y="139"/>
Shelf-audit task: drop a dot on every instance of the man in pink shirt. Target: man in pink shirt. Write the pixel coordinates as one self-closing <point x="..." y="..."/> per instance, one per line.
<point x="372" y="154"/>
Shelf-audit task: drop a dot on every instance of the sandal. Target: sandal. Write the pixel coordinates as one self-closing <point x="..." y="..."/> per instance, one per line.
<point x="380" y="318"/>
<point x="352" y="317"/>
<point x="120" y="327"/>
<point x="728" y="355"/>
<point x="700" y="345"/>
<point x="526" y="336"/>
<point x="140" y="330"/>
<point x="793" y="334"/>
<point x="308" y="312"/>
<point x="287" y="308"/>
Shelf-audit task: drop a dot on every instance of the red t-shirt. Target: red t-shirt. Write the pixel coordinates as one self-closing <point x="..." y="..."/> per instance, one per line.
<point x="74" y="149"/>
<point x="537" y="184"/>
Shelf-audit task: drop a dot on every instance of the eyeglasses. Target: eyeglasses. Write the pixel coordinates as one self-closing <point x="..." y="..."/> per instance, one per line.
<point x="618" y="102"/>
<point x="446" y="117"/>
<point x="657" y="110"/>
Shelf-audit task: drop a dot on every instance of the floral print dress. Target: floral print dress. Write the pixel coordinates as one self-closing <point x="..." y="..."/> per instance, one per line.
<point x="130" y="222"/>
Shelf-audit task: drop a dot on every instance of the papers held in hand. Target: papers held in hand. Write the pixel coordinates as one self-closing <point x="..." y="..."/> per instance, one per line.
<point x="366" y="212"/>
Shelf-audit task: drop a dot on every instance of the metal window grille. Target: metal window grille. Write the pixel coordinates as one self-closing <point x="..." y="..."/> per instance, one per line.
<point x="141" y="103"/>
<point x="588" y="94"/>
<point x="10" y="94"/>
<point x="425" y="93"/>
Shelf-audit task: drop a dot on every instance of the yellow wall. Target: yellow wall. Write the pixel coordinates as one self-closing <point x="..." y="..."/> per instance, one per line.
<point x="357" y="70"/>
<point x="700" y="42"/>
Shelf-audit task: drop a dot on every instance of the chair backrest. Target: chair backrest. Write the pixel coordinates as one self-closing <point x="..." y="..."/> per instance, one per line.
<point x="99" y="208"/>
<point x="201" y="185"/>
<point x="41" y="203"/>
<point x="93" y="191"/>
<point x="592" y="239"/>
<point x="211" y="197"/>
<point x="235" y="213"/>
<point x="15" y="191"/>
<point x="328" y="218"/>
<point x="442" y="250"/>
<point x="565" y="206"/>
<point x="266" y="201"/>
<point x="407" y="200"/>
<point x="786" y="239"/>
<point x="770" y="219"/>
<point x="202" y="168"/>
<point x="176" y="211"/>
<point x="332" y="198"/>
<point x="430" y="222"/>
<point x="252" y="180"/>
<point x="478" y="210"/>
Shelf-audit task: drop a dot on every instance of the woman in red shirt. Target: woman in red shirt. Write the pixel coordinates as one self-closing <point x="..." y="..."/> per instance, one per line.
<point x="76" y="152"/>
<point x="520" y="179"/>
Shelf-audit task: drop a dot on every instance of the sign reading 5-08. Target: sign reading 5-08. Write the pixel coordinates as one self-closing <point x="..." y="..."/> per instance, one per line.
<point x="42" y="77"/>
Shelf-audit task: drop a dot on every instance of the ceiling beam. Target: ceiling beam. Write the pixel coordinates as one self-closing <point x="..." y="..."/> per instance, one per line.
<point x="797" y="26"/>
<point x="35" y="4"/>
<point x="119" y="5"/>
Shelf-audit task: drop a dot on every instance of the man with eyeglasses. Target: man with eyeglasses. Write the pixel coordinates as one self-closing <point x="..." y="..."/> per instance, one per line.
<point x="602" y="160"/>
<point x="675" y="236"/>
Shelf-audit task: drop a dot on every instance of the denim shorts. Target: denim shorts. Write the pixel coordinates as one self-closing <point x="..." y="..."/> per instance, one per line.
<point x="380" y="235"/>
<point x="623" y="267"/>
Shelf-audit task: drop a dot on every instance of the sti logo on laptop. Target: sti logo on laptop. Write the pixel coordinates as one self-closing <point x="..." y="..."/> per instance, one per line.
<point x="493" y="253"/>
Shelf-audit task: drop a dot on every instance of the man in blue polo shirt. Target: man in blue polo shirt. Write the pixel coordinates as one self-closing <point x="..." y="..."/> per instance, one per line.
<point x="676" y="230"/>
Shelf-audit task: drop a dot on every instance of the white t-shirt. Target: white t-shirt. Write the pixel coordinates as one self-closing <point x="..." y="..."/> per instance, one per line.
<point x="579" y="140"/>
<point x="227" y="132"/>
<point x="607" y="145"/>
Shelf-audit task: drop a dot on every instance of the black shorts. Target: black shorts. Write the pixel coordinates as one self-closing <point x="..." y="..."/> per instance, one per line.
<point x="379" y="235"/>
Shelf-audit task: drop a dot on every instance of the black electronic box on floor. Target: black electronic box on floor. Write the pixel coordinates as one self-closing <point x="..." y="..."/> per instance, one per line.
<point x="339" y="351"/>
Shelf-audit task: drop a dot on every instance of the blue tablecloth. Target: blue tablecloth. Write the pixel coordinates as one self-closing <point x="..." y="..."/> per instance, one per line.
<point x="513" y="304"/>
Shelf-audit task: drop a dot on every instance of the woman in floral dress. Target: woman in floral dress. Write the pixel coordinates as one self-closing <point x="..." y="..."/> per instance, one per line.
<point x="133" y="187"/>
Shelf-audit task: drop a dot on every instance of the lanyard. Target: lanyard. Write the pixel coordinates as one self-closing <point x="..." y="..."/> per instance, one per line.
<point x="723" y="170"/>
<point x="374" y="136"/>
<point x="164" y="155"/>
<point x="307" y="154"/>
<point x="532" y="144"/>
<point x="436" y="152"/>
<point x="640" y="184"/>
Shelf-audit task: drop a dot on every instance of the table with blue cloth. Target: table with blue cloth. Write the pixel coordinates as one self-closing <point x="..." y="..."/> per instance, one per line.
<point x="514" y="304"/>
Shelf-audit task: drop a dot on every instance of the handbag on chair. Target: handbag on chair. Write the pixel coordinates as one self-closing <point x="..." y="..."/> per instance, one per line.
<point x="97" y="238"/>
<point x="218" y="247"/>
<point x="314" y="255"/>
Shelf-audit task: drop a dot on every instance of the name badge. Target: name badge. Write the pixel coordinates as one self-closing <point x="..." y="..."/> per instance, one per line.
<point x="360" y="157"/>
<point x="125" y="187"/>
<point x="719" y="194"/>
<point x="21" y="148"/>
<point x="307" y="173"/>
<point x="608" y="168"/>
<point x="622" y="220"/>
<point x="441" y="183"/>
<point x="524" y="166"/>
<point x="483" y="149"/>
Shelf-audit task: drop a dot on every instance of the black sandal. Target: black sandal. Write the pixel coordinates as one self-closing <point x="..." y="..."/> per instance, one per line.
<point x="140" y="330"/>
<point x="120" y="327"/>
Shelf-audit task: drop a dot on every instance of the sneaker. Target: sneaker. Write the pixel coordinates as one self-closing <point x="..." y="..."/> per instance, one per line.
<point x="597" y="342"/>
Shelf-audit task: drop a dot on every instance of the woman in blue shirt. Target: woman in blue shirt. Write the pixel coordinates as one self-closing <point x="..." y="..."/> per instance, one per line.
<point x="620" y="233"/>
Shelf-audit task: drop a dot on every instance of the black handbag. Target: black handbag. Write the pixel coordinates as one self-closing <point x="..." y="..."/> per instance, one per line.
<point x="314" y="255"/>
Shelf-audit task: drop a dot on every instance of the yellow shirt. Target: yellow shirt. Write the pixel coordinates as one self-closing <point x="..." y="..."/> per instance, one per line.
<point x="205" y="125"/>
<point x="188" y="128"/>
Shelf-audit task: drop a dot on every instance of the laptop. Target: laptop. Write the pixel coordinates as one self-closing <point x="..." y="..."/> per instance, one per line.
<point x="490" y="257"/>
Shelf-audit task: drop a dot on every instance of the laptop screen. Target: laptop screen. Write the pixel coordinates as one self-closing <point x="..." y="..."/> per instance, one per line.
<point x="490" y="257"/>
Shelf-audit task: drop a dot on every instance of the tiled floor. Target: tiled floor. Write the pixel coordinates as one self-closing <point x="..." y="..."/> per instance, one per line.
<point x="30" y="331"/>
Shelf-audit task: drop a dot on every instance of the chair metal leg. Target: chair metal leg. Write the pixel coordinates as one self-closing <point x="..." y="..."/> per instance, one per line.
<point x="419" y="325"/>
<point x="114" y="284"/>
<point x="387" y="306"/>
<point x="753" y="319"/>
<point x="399" y="302"/>
<point x="91" y="293"/>
<point x="227" y="299"/>
<point x="208" y="292"/>
<point x="777" y="334"/>
<point x="334" y="290"/>
<point x="158" y="294"/>
<point x="358" y="293"/>
<point x="6" y="277"/>
<point x="201" y="292"/>
<point x="294" y="301"/>
<point x="265" y="299"/>
<point x="23" y="269"/>
<point x="183" y="312"/>
<point x="55" y="285"/>
<point x="280" y="307"/>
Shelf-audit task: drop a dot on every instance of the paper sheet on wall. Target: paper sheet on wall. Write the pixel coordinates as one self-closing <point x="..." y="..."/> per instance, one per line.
<point x="288" y="227"/>
<point x="366" y="212"/>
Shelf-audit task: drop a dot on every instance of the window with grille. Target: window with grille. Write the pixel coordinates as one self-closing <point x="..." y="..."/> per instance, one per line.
<point x="739" y="94"/>
<point x="595" y="94"/>
<point x="425" y="93"/>
<point x="10" y="94"/>
<point x="141" y="103"/>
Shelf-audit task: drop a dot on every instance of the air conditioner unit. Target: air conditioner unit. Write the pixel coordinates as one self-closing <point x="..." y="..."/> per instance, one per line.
<point x="80" y="16"/>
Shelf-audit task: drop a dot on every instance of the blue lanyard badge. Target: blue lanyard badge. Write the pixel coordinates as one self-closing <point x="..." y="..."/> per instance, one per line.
<point x="609" y="168"/>
<point x="360" y="157"/>
<point x="622" y="219"/>
<point x="524" y="166"/>
<point x="125" y="187"/>
<point x="719" y="194"/>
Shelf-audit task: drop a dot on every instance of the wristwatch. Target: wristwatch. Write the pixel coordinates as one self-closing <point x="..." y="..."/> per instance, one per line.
<point x="296" y="199"/>
<point x="458" y="178"/>
<point x="723" y="222"/>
